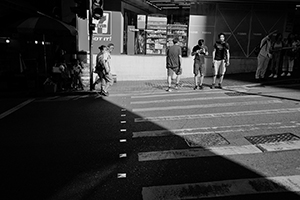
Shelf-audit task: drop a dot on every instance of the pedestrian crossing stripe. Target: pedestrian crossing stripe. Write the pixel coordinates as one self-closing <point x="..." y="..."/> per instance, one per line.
<point x="216" y="115"/>
<point x="223" y="188"/>
<point x="182" y="93"/>
<point x="218" y="151"/>
<point x="247" y="103"/>
<point x="215" y="129"/>
<point x="194" y="99"/>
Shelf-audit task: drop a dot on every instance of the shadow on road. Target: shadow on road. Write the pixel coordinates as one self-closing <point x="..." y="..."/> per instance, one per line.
<point x="71" y="150"/>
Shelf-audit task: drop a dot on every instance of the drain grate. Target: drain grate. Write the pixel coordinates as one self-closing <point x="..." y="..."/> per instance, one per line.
<point x="236" y="93"/>
<point x="281" y="137"/>
<point x="204" y="140"/>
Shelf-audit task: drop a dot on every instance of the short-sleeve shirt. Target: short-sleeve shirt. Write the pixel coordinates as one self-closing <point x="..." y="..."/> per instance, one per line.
<point x="102" y="58"/>
<point x="173" y="54"/>
<point x="100" y="62"/>
<point x="221" y="50"/>
<point x="202" y="54"/>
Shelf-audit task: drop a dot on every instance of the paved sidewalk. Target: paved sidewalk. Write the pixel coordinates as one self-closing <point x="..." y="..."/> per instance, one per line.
<point x="149" y="86"/>
<point x="230" y="81"/>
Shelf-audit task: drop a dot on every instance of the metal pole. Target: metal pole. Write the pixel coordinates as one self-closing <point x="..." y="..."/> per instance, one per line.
<point x="91" y="44"/>
<point x="45" y="55"/>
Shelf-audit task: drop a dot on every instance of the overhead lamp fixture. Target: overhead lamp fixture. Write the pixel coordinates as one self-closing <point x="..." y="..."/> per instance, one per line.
<point x="7" y="40"/>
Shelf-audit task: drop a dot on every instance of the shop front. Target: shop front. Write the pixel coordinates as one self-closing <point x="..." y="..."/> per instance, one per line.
<point x="141" y="38"/>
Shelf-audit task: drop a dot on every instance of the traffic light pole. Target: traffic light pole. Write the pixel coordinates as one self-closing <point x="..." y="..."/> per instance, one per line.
<point x="90" y="19"/>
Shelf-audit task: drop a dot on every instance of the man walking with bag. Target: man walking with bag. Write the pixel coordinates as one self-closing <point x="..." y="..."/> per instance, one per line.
<point x="103" y="69"/>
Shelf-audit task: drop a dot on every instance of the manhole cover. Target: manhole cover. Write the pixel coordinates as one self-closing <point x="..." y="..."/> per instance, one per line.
<point x="281" y="137"/>
<point x="204" y="140"/>
<point x="236" y="93"/>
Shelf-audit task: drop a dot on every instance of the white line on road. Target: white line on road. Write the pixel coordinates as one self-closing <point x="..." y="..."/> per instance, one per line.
<point x="216" y="115"/>
<point x="10" y="111"/>
<point x="193" y="99"/>
<point x="223" y="188"/>
<point x="197" y="152"/>
<point x="218" y="151"/>
<point x="175" y="94"/>
<point x="208" y="130"/>
<point x="207" y="105"/>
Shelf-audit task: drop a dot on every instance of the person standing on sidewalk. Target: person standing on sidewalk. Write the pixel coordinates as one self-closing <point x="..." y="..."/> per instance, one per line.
<point x="220" y="57"/>
<point x="174" y="61"/>
<point x="276" y="49"/>
<point x="289" y="55"/>
<point x="263" y="57"/>
<point x="199" y="51"/>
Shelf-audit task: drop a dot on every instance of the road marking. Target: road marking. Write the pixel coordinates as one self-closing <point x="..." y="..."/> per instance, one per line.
<point x="193" y="99"/>
<point x="218" y="151"/>
<point x="280" y="146"/>
<point x="207" y="105"/>
<point x="14" y="109"/>
<point x="81" y="97"/>
<point x="121" y="175"/>
<point x="174" y="94"/>
<point x="122" y="155"/>
<point x="216" y="115"/>
<point x="63" y="98"/>
<point x="207" y="130"/>
<point x="198" y="152"/>
<point x="223" y="188"/>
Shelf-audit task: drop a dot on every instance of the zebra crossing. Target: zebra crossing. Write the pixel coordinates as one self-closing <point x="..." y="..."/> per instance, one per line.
<point x="216" y="124"/>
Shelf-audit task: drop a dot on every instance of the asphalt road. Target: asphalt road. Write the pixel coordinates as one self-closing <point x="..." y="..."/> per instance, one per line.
<point x="239" y="142"/>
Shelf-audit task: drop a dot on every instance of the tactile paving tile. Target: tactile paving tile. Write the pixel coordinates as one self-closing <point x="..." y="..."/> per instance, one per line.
<point x="281" y="137"/>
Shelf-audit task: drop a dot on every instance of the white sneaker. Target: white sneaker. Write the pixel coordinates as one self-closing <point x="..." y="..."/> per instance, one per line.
<point x="271" y="75"/>
<point x="169" y="89"/>
<point x="275" y="76"/>
<point x="283" y="74"/>
<point x="289" y="74"/>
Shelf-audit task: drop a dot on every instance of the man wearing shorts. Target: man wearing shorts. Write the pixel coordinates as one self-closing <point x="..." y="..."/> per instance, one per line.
<point x="220" y="57"/>
<point x="173" y="61"/>
<point x="104" y="73"/>
<point x="199" y="51"/>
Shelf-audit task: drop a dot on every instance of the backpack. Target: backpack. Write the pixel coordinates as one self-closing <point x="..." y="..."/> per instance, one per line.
<point x="99" y="65"/>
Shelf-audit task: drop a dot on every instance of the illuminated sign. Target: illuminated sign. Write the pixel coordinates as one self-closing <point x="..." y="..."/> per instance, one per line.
<point x="103" y="26"/>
